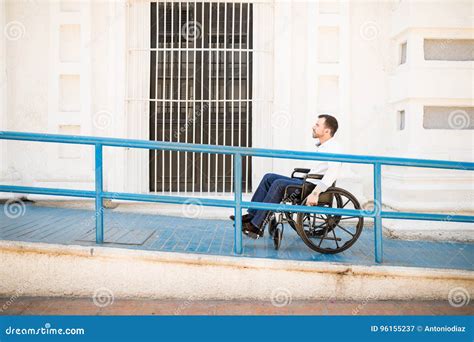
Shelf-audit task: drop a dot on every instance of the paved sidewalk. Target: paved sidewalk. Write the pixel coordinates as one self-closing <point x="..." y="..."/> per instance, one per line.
<point x="86" y="306"/>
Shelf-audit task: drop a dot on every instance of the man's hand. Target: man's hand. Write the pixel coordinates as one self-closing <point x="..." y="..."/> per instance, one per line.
<point x="312" y="199"/>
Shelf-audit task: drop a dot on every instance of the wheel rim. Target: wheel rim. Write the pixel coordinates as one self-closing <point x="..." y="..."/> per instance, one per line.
<point x="331" y="233"/>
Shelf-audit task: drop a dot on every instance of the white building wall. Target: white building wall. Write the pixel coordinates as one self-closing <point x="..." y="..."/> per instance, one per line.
<point x="63" y="79"/>
<point x="108" y="51"/>
<point x="3" y="95"/>
<point x="25" y="36"/>
<point x="267" y="34"/>
<point x="419" y="83"/>
<point x="312" y="60"/>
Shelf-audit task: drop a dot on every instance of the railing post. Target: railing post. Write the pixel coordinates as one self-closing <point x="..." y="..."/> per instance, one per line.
<point x="378" y="212"/>
<point x="238" y="203"/>
<point x="99" y="210"/>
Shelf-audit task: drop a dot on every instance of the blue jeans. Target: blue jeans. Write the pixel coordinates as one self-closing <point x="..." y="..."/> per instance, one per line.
<point x="270" y="190"/>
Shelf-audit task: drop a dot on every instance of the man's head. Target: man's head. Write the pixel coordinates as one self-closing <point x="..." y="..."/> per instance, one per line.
<point x="325" y="127"/>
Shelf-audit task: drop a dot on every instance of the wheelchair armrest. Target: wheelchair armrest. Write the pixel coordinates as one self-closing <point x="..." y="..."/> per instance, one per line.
<point x="314" y="176"/>
<point x="317" y="176"/>
<point x="299" y="170"/>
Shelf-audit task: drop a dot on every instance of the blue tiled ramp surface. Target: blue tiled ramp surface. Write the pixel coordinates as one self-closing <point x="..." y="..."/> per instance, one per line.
<point x="191" y="235"/>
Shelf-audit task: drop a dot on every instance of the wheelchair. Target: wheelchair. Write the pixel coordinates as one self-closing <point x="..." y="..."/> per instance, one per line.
<point x="327" y="234"/>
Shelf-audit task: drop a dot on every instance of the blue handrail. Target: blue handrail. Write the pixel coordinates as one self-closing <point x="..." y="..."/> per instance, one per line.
<point x="238" y="204"/>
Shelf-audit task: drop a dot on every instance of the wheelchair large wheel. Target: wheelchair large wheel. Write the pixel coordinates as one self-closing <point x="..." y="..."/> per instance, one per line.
<point x="330" y="234"/>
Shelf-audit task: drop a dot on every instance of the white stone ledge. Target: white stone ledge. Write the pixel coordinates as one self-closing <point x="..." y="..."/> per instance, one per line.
<point x="37" y="269"/>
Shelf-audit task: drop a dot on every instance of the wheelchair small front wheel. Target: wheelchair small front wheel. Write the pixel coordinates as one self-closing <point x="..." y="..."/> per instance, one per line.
<point x="277" y="236"/>
<point x="272" y="225"/>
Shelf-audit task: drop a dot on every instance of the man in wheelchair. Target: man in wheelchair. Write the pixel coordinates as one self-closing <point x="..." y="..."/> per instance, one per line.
<point x="272" y="187"/>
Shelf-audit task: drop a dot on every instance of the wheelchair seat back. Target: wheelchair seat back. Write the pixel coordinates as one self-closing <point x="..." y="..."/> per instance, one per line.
<point x="324" y="198"/>
<point x="307" y="187"/>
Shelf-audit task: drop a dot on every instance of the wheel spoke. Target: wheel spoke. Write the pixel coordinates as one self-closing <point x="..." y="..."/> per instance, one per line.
<point x="348" y="217"/>
<point x="319" y="226"/>
<point x="344" y="229"/>
<point x="335" y="237"/>
<point x="348" y="200"/>
<point x="322" y="238"/>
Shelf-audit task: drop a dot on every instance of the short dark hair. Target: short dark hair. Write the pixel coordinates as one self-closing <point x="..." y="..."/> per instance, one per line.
<point x="330" y="122"/>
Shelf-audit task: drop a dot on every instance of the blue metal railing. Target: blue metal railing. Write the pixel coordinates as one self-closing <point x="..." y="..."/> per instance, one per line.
<point x="99" y="194"/>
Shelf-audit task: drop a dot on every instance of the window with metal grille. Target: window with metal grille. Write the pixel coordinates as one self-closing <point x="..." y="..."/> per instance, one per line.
<point x="200" y="92"/>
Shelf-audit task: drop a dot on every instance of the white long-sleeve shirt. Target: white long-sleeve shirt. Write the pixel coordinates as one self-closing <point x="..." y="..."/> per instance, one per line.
<point x="329" y="169"/>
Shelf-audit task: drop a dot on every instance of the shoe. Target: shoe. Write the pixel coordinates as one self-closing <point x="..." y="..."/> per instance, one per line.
<point x="245" y="218"/>
<point x="251" y="231"/>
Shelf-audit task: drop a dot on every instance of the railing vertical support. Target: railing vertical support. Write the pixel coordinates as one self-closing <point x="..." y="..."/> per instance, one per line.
<point x="99" y="209"/>
<point x="378" y="212"/>
<point x="238" y="203"/>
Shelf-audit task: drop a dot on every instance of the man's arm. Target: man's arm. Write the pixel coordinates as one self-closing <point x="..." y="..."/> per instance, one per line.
<point x="328" y="179"/>
<point x="330" y="175"/>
